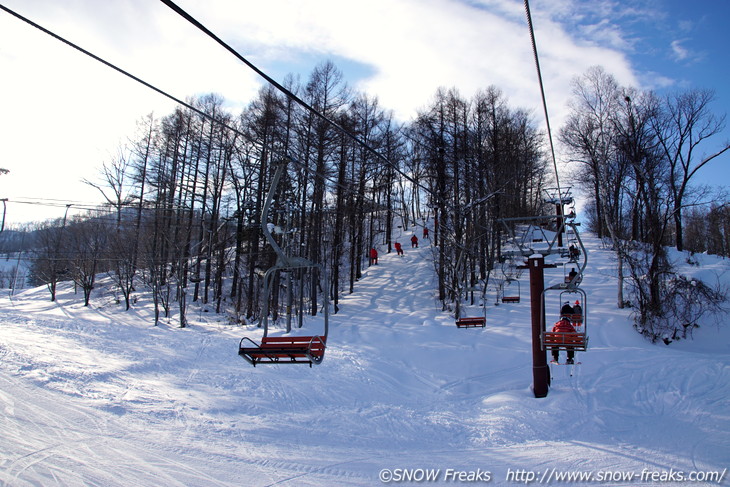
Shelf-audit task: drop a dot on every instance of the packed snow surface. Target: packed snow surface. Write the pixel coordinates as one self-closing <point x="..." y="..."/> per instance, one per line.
<point x="99" y="396"/>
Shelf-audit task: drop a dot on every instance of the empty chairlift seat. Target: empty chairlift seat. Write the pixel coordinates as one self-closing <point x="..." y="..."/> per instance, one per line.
<point x="471" y="322"/>
<point x="283" y="350"/>
<point x="511" y="291"/>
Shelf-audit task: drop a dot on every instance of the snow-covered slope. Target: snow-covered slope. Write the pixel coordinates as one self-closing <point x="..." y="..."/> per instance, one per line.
<point x="98" y="396"/>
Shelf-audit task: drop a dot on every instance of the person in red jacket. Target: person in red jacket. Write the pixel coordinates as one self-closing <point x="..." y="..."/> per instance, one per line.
<point x="398" y="249"/>
<point x="414" y="241"/>
<point x="563" y="326"/>
<point x="373" y="256"/>
<point x="577" y="314"/>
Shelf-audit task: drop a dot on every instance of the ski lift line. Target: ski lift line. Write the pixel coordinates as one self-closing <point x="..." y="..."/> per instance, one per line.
<point x="51" y="201"/>
<point x="109" y="208"/>
<point x="291" y="95"/>
<point x="542" y="90"/>
<point x="110" y="218"/>
<point x="172" y="97"/>
<point x="76" y="206"/>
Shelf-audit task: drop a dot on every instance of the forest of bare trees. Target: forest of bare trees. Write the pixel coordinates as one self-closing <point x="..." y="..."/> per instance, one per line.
<point x="184" y="196"/>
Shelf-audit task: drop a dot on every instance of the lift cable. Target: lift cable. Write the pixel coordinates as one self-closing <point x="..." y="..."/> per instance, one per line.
<point x="289" y="94"/>
<point x="542" y="92"/>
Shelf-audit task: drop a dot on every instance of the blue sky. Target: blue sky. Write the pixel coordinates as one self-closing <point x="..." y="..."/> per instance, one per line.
<point x="63" y="114"/>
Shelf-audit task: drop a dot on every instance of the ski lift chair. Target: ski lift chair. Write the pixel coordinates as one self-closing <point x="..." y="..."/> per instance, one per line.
<point x="471" y="322"/>
<point x="514" y="294"/>
<point x="284" y="349"/>
<point x="577" y="340"/>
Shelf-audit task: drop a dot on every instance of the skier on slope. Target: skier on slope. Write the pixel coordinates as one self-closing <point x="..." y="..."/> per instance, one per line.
<point x="398" y="249"/>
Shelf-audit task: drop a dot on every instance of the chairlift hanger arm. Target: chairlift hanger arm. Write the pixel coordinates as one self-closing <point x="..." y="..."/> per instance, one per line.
<point x="285" y="262"/>
<point x="282" y="259"/>
<point x="557" y="196"/>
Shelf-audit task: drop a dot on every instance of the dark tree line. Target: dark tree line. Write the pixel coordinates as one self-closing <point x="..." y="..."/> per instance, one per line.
<point x="185" y="197"/>
<point x="707" y="229"/>
<point x="482" y="162"/>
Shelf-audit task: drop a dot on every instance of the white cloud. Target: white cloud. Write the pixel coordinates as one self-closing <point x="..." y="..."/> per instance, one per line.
<point x="683" y="54"/>
<point x="416" y="46"/>
<point x="680" y="52"/>
<point x="606" y="33"/>
<point x="655" y="81"/>
<point x="686" y="26"/>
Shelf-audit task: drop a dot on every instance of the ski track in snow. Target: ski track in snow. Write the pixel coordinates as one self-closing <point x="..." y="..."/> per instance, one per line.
<point x="98" y="396"/>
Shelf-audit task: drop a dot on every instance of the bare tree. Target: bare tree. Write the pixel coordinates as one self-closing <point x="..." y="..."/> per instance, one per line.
<point x="116" y="182"/>
<point x="122" y="265"/>
<point x="88" y="252"/>
<point x="589" y="135"/>
<point x="49" y="265"/>
<point x="684" y="124"/>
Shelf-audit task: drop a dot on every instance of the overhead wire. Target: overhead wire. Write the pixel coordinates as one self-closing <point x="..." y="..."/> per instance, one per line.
<point x="561" y="221"/>
<point x="177" y="9"/>
<point x="279" y="87"/>
<point x="542" y="94"/>
<point x="77" y="205"/>
<point x="108" y="64"/>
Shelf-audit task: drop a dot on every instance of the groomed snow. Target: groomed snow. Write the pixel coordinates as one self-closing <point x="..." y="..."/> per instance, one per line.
<point x="99" y="397"/>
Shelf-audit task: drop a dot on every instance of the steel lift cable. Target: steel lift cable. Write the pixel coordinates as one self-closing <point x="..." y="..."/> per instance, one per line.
<point x="289" y="94"/>
<point x="542" y="92"/>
